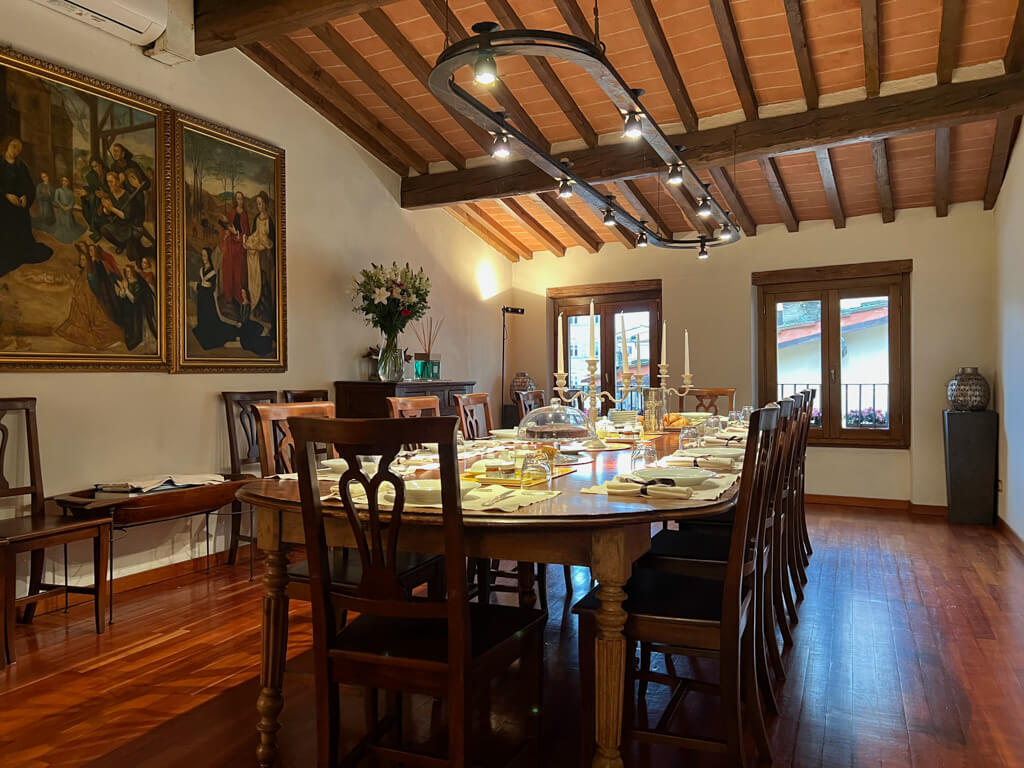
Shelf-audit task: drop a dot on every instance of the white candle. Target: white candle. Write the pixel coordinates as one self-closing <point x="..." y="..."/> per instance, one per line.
<point x="625" y="348"/>
<point x="592" y="350"/>
<point x="664" y="340"/>
<point x="638" y="359"/>
<point x="561" y="346"/>
<point x="686" y="351"/>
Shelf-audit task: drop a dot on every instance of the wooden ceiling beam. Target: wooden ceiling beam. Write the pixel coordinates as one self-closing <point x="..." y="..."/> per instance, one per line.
<point x="881" y="162"/>
<point x="223" y="24"/>
<point x="1001" y="145"/>
<point x="950" y="33"/>
<point x="869" y="33"/>
<point x="446" y="20"/>
<point x="300" y="61"/>
<point x="828" y="178"/>
<point x="1013" y="61"/>
<point x="778" y="190"/>
<point x="633" y="195"/>
<point x="623" y="235"/>
<point x="482" y="232"/>
<point x="475" y="210"/>
<point x="739" y="209"/>
<point x="798" y="33"/>
<point x="574" y="19"/>
<point x="666" y="62"/>
<point x="586" y="237"/>
<point x="942" y="172"/>
<point x="420" y="68"/>
<point x="366" y="72"/>
<point x="509" y="19"/>
<point x="688" y="206"/>
<point x="319" y="102"/>
<point x="734" y="56"/>
<point x="539" y="230"/>
<point x="877" y="118"/>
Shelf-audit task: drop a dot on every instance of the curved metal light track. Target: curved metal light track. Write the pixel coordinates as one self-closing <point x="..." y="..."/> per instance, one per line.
<point x="531" y="42"/>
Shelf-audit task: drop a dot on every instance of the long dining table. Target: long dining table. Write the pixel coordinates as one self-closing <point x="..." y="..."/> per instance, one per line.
<point x="604" y="533"/>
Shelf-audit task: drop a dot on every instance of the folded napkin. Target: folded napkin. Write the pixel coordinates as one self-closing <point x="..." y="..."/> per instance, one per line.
<point x="716" y="463"/>
<point x="144" y="484"/>
<point x="484" y="498"/>
<point x="709" y="490"/>
<point x="725" y="438"/>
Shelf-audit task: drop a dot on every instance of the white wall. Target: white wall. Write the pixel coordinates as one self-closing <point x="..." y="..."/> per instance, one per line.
<point x="1009" y="319"/>
<point x="952" y="323"/>
<point x="342" y="213"/>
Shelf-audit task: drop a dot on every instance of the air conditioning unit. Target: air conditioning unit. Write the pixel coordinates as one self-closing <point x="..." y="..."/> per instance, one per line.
<point x="139" y="22"/>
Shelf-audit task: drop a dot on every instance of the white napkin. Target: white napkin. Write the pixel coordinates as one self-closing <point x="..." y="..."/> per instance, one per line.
<point x="726" y="438"/>
<point x="709" y="490"/>
<point x="716" y="463"/>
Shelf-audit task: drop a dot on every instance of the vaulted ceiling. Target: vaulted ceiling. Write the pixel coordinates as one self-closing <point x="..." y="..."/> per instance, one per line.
<point x="794" y="110"/>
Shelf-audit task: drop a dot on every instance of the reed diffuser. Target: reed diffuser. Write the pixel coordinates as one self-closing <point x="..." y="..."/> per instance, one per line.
<point x="427" y="367"/>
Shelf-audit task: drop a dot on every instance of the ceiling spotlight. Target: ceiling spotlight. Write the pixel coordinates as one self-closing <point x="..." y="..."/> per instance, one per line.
<point x="564" y="188"/>
<point x="675" y="175"/>
<point x="725" y="235"/>
<point x="609" y="217"/>
<point x="704" y="209"/>
<point x="485" y="71"/>
<point x="501" y="149"/>
<point x="703" y="252"/>
<point x="632" y="128"/>
<point x="641" y="240"/>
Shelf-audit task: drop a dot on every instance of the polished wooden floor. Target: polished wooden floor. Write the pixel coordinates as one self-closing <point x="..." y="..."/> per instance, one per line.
<point x="909" y="652"/>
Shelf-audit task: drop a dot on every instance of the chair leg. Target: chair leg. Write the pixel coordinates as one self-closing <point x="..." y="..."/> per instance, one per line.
<point x="764" y="678"/>
<point x="754" y="714"/>
<point x="100" y="552"/>
<point x="110" y="578"/>
<point x="542" y="585"/>
<point x="567" y="575"/>
<point x="586" y="637"/>
<point x="252" y="543"/>
<point x="483" y="581"/>
<point x="66" y="593"/>
<point x="328" y="723"/>
<point x="629" y="699"/>
<point x="781" y="598"/>
<point x="35" y="579"/>
<point x="236" y="531"/>
<point x="645" y="667"/>
<point x="732" y="709"/>
<point x="794" y="569"/>
<point x="7" y="587"/>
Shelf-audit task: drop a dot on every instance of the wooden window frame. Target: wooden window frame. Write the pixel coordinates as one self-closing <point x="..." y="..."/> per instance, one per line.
<point x="829" y="285"/>
<point x="610" y="298"/>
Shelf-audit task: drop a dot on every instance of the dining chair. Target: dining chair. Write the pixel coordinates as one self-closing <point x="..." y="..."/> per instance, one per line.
<point x="38" y="530"/>
<point x="446" y="648"/>
<point x="474" y="412"/>
<point x="529" y="400"/>
<point x="305" y="395"/>
<point x="277" y="456"/>
<point x="707" y="399"/>
<point x="710" y="615"/>
<point x="243" y="450"/>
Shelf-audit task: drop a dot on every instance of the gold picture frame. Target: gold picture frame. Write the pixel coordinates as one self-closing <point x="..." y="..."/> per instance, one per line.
<point x="84" y="260"/>
<point x="229" y="265"/>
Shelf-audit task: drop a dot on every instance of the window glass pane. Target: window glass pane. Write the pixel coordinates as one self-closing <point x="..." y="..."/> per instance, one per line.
<point x="579" y="348"/>
<point x="864" y="366"/>
<point x="798" y="350"/>
<point x="638" y="342"/>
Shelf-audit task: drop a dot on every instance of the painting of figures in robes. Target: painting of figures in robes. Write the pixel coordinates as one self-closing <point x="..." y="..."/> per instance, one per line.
<point x="230" y="260"/>
<point x="83" y="222"/>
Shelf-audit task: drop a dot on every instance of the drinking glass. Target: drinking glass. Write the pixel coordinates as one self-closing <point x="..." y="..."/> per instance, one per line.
<point x="713" y="425"/>
<point x="745" y="414"/>
<point x="536" y="471"/>
<point x="734" y="417"/>
<point x="689" y="437"/>
<point x="644" y="455"/>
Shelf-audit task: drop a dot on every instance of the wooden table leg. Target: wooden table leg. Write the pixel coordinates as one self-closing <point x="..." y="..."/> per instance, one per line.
<point x="100" y="553"/>
<point x="526" y="584"/>
<point x="611" y="566"/>
<point x="273" y="653"/>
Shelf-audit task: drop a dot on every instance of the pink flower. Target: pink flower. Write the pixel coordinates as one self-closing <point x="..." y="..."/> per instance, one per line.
<point x="406" y="313"/>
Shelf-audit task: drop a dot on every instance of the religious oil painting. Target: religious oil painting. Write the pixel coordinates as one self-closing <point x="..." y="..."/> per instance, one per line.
<point x="84" y="190"/>
<point x="230" y="260"/>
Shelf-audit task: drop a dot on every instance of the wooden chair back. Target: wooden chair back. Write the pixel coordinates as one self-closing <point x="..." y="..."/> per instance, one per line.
<point x="34" y="490"/>
<point x="529" y="400"/>
<point x="305" y="395"/>
<point x="707" y="399"/>
<point x="474" y="412"/>
<point x="276" y="445"/>
<point x="757" y="486"/>
<point x="413" y="407"/>
<point x="243" y="441"/>
<point x="376" y="530"/>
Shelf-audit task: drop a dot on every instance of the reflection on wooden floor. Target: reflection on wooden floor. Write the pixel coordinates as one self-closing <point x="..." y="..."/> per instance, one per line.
<point x="909" y="652"/>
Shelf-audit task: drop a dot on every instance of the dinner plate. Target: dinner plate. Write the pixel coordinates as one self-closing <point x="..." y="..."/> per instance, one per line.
<point x="423" y="492"/>
<point x="680" y="476"/>
<point x="723" y="452"/>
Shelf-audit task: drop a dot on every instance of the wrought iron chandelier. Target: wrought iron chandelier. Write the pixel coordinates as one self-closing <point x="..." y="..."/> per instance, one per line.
<point x="489" y="44"/>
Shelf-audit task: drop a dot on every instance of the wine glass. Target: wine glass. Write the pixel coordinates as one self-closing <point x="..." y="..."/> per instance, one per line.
<point x="734" y="417"/>
<point x="536" y="471"/>
<point x="745" y="414"/>
<point x="689" y="437"/>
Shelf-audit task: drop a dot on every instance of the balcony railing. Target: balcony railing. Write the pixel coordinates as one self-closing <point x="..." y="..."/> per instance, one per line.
<point x="864" y="406"/>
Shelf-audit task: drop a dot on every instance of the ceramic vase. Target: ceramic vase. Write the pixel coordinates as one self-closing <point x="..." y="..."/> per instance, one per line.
<point x="968" y="391"/>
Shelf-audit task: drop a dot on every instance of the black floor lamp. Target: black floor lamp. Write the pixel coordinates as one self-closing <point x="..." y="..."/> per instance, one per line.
<point x="505" y="312"/>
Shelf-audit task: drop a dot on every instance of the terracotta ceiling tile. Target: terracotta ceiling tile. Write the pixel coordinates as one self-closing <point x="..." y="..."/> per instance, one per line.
<point x="592" y="219"/>
<point x="757" y="196"/>
<point x="835" y="43"/>
<point x="767" y="49"/>
<point x="854" y="170"/>
<point x="970" y="152"/>
<point x="802" y="180"/>
<point x="912" y="169"/>
<point x="546" y="219"/>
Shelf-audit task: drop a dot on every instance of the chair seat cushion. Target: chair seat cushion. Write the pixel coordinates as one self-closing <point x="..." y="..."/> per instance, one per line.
<point x="347" y="568"/>
<point x="427" y="639"/>
<point x="666" y="595"/>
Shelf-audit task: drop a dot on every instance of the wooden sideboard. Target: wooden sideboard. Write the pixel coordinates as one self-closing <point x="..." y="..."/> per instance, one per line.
<point x="366" y="399"/>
